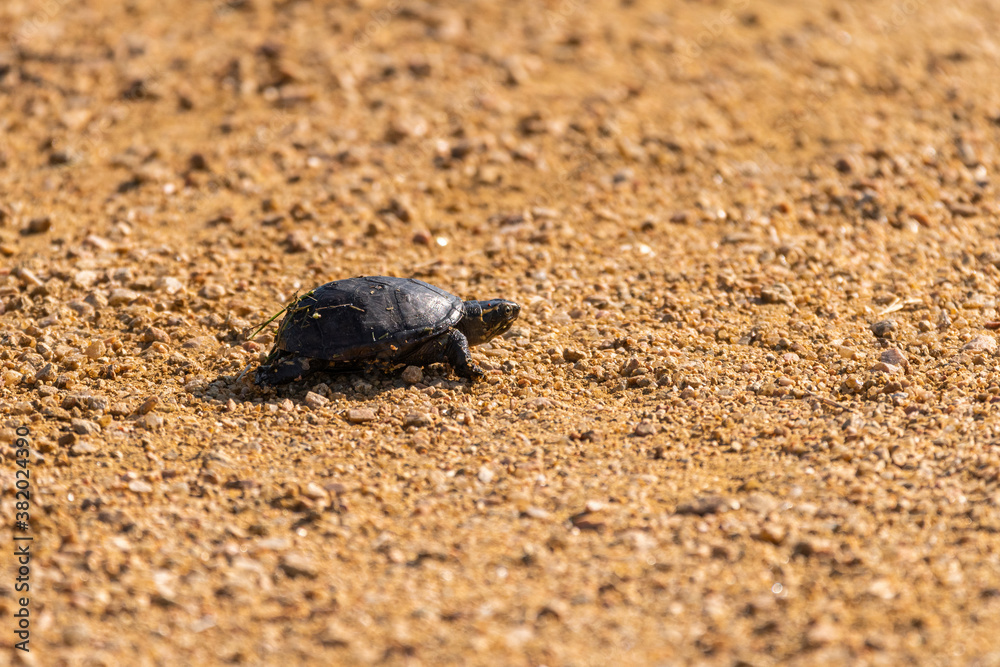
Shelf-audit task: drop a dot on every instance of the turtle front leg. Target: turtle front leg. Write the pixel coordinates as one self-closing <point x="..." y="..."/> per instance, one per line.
<point x="457" y="352"/>
<point x="451" y="346"/>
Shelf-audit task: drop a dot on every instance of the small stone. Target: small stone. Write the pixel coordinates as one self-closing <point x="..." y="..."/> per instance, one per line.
<point x="122" y="296"/>
<point x="11" y="378"/>
<point x="894" y="357"/>
<point x="537" y="513"/>
<point x="813" y="546"/>
<point x="572" y="355"/>
<point x="298" y="241"/>
<point x="38" y="225"/>
<point x="413" y="374"/>
<point x="822" y="634"/>
<point x="199" y="342"/>
<point x="890" y="369"/>
<point x="83" y="447"/>
<point x="96" y="300"/>
<point x="95" y="350"/>
<point x="777" y="293"/>
<point x="417" y="419"/>
<point x="297" y="565"/>
<point x="139" y="486"/>
<point x="485" y="475"/>
<point x="67" y="439"/>
<point x="85" y="279"/>
<point x="75" y="634"/>
<point x="644" y="428"/>
<point x="981" y="343"/>
<point x="631" y="367"/>
<point x="772" y="532"/>
<point x="97" y="242"/>
<point x="708" y="504"/>
<point x="360" y="415"/>
<point x="212" y="291"/>
<point x="335" y="635"/>
<point x="591" y="519"/>
<point x="46" y="373"/>
<point x="315" y="401"/>
<point x="197" y="162"/>
<point x="84" y="427"/>
<point x="150" y="422"/>
<point x="314" y="491"/>
<point x="148" y="405"/>
<point x="884" y="328"/>
<point x="28" y="277"/>
<point x="168" y="285"/>
<point x="119" y="409"/>
<point x="155" y="335"/>
<point x="81" y="308"/>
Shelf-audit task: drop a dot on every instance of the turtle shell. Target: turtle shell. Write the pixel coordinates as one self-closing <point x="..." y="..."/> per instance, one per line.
<point x="367" y="317"/>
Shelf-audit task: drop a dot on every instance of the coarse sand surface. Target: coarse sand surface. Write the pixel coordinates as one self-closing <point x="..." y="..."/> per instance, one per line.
<point x="748" y="415"/>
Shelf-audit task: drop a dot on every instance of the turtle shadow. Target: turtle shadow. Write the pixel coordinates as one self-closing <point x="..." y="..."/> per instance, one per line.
<point x="354" y="386"/>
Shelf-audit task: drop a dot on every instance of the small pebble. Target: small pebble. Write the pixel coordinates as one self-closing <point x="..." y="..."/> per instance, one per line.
<point x="83" y="447"/>
<point x="645" y="428"/>
<point x="212" y="291"/>
<point x="168" y="285"/>
<point x="981" y="343"/>
<point x="884" y="328"/>
<point x="360" y="415"/>
<point x="297" y="565"/>
<point x="417" y="419"/>
<point x="413" y="374"/>
<point x="315" y="401"/>
<point x="121" y="297"/>
<point x="148" y="405"/>
<point x="84" y="427"/>
<point x="139" y="486"/>
<point x="38" y="225"/>
<point x="151" y="421"/>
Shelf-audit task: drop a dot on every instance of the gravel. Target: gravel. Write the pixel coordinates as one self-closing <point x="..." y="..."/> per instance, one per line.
<point x="748" y="414"/>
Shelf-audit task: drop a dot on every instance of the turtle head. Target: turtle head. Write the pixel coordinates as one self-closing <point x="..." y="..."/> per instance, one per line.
<point x="485" y="320"/>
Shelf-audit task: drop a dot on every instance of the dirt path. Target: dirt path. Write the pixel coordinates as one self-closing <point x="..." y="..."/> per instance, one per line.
<point x="748" y="415"/>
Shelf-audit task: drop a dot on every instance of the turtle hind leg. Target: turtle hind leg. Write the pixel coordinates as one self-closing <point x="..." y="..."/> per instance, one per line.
<point x="287" y="368"/>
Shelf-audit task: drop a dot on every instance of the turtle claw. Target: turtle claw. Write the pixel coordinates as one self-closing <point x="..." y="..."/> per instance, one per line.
<point x="474" y="373"/>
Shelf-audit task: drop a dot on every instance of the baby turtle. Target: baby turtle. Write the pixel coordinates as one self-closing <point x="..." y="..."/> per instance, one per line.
<point x="342" y="325"/>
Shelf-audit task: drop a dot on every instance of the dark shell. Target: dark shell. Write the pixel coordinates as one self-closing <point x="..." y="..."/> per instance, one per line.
<point x="367" y="317"/>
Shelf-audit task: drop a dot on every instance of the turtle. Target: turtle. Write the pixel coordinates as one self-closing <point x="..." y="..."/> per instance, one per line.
<point x="345" y="325"/>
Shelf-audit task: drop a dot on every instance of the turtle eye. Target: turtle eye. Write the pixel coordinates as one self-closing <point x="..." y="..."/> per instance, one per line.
<point x="506" y="310"/>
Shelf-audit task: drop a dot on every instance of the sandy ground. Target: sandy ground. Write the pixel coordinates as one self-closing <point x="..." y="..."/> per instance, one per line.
<point x="749" y="413"/>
